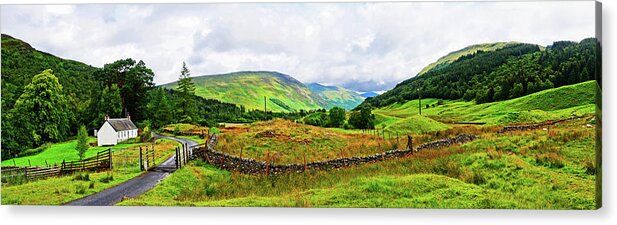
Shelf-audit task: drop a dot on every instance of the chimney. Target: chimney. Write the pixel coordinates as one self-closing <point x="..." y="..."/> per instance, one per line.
<point x="106" y="117"/>
<point x="128" y="116"/>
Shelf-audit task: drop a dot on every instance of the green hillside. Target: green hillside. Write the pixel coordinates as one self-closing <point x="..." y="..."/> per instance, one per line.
<point x="336" y="96"/>
<point x="453" y="56"/>
<point x="577" y="99"/>
<point x="283" y="92"/>
<point x="20" y="62"/>
<point x="509" y="72"/>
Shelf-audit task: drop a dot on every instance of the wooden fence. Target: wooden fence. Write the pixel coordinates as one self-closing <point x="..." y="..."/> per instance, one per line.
<point x="102" y="161"/>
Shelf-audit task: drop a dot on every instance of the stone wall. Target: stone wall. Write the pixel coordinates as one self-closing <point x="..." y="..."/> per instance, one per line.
<point x="251" y="166"/>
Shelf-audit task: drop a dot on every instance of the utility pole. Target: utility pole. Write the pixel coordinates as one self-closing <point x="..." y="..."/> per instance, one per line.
<point x="419" y="102"/>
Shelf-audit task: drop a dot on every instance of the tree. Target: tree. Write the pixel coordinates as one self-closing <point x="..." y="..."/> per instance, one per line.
<point x="82" y="142"/>
<point x="160" y="108"/>
<point x="336" y="117"/>
<point x="110" y="103"/>
<point x="134" y="80"/>
<point x="186" y="103"/>
<point x="363" y="119"/>
<point x="41" y="112"/>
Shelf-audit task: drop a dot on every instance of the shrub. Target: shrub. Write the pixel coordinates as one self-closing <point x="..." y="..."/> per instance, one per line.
<point x="82" y="176"/>
<point x="590" y="165"/>
<point x="91" y="186"/>
<point x="80" y="189"/>
<point x="550" y="159"/>
<point x="109" y="177"/>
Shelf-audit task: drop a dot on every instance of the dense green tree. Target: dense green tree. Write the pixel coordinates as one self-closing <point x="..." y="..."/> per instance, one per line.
<point x="362" y="119"/>
<point x="134" y="80"/>
<point x="42" y="111"/>
<point x="186" y="104"/>
<point x="336" y="117"/>
<point x="160" y="108"/>
<point x="110" y="104"/>
<point x="82" y="142"/>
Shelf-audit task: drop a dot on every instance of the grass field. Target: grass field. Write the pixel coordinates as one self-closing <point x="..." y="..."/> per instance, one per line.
<point x="562" y="102"/>
<point x="289" y="142"/>
<point x="527" y="170"/>
<point x="56" y="153"/>
<point x="59" y="190"/>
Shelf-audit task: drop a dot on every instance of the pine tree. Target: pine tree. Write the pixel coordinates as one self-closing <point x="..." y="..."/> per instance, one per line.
<point x="186" y="104"/>
<point x="82" y="142"/>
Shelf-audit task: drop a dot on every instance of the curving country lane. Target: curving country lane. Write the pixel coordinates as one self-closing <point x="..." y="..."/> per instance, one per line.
<point x="136" y="186"/>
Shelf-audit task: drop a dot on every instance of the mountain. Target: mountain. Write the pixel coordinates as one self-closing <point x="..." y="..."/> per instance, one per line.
<point x="336" y="96"/>
<point x="21" y="62"/>
<point x="283" y="92"/>
<point x="472" y="49"/>
<point x="368" y="94"/>
<point x="512" y="71"/>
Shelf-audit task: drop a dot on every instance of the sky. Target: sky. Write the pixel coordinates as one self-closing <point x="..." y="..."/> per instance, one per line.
<point x="359" y="46"/>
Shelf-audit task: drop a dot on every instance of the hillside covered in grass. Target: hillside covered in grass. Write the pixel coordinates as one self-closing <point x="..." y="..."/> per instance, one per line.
<point x="283" y="92"/>
<point x="336" y="96"/>
<point x="556" y="103"/>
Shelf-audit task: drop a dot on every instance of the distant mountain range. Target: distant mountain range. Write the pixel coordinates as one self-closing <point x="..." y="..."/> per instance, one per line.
<point x="336" y="96"/>
<point x="368" y="94"/>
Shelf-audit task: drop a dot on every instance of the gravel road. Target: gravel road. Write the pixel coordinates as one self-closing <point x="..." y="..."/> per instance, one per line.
<point x="136" y="186"/>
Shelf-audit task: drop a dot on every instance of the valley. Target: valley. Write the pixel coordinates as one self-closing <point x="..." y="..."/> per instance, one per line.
<point x="398" y="149"/>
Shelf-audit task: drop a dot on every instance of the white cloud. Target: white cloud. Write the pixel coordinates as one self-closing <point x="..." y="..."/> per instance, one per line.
<point x="363" y="46"/>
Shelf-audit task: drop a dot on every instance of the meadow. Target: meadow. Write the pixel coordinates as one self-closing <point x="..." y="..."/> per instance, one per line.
<point x="528" y="170"/>
<point x="60" y="190"/>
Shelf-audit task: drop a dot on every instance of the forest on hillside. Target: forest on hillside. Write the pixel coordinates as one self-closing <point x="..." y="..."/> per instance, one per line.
<point x="506" y="73"/>
<point x="46" y="98"/>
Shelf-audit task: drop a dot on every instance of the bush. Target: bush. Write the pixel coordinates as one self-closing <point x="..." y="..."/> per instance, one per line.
<point x="590" y="166"/>
<point x="91" y="186"/>
<point x="550" y="159"/>
<point x="146" y="135"/>
<point x="107" y="178"/>
<point x="82" y="176"/>
<point x="80" y="189"/>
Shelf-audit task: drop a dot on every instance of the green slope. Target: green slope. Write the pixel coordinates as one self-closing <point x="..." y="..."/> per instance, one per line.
<point x="501" y="71"/>
<point x="453" y="56"/>
<point x="283" y="92"/>
<point x="336" y="96"/>
<point x="577" y="99"/>
<point x="21" y="62"/>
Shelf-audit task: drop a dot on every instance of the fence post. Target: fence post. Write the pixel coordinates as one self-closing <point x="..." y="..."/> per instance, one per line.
<point x="26" y="172"/>
<point x="267" y="161"/>
<point x="111" y="159"/>
<point x="153" y="157"/>
<point x="141" y="164"/>
<point x="63" y="164"/>
<point x="176" y="158"/>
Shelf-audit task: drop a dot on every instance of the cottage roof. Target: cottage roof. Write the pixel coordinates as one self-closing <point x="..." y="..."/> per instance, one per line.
<point x="122" y="124"/>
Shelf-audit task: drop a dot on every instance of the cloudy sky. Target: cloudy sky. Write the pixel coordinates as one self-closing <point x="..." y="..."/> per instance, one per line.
<point x="360" y="46"/>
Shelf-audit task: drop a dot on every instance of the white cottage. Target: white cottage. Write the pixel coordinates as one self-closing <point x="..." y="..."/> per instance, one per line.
<point x="116" y="130"/>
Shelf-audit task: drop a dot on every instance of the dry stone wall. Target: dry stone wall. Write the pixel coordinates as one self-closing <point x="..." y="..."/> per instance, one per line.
<point x="251" y="166"/>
